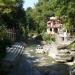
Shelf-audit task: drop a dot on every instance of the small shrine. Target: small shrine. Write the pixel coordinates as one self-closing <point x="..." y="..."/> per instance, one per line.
<point x="54" y="25"/>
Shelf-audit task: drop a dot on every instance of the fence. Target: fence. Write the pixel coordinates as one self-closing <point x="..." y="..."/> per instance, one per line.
<point x="11" y="34"/>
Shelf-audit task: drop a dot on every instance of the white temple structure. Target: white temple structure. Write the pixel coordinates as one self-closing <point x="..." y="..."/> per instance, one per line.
<point x="55" y="27"/>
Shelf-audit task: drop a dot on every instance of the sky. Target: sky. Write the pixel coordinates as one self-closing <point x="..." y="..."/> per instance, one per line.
<point x="29" y="3"/>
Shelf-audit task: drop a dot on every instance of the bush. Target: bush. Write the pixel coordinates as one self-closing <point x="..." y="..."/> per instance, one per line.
<point x="3" y="41"/>
<point x="72" y="45"/>
<point x="3" y="44"/>
<point x="47" y="37"/>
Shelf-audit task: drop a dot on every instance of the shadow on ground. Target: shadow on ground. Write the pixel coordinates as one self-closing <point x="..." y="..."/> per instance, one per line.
<point x="55" y="69"/>
<point x="24" y="67"/>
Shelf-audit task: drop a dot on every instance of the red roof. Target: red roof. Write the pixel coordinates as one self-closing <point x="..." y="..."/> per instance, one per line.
<point x="54" y="24"/>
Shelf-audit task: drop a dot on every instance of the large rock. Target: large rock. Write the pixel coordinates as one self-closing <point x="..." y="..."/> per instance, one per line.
<point x="63" y="56"/>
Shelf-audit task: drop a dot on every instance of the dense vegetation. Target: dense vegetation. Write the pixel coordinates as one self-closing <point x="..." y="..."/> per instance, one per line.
<point x="47" y="8"/>
<point x="33" y="20"/>
<point x="12" y="15"/>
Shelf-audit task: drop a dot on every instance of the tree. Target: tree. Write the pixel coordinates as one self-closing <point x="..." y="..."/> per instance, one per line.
<point x="47" y="8"/>
<point x="12" y="15"/>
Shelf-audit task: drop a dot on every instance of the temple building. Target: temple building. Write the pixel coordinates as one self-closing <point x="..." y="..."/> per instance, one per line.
<point x="54" y="25"/>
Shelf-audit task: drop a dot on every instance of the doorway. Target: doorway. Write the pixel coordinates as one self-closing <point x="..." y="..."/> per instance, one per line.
<point x="55" y="30"/>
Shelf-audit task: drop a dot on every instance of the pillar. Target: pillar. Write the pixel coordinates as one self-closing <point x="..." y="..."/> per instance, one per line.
<point x="53" y="31"/>
<point x="58" y="30"/>
<point x="48" y="30"/>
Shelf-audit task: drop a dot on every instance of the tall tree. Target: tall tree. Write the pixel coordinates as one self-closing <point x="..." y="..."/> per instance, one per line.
<point x="47" y="8"/>
<point x="13" y="15"/>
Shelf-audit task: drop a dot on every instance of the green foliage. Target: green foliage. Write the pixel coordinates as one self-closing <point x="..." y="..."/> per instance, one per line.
<point x="30" y="22"/>
<point x="3" y="44"/>
<point x="47" y="37"/>
<point x="71" y="46"/>
<point x="4" y="41"/>
<point x="3" y="33"/>
<point x="12" y="15"/>
<point x="47" y="8"/>
<point x="40" y="15"/>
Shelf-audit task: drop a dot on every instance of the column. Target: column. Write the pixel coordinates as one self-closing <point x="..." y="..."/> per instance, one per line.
<point x="53" y="31"/>
<point x="48" y="30"/>
<point x="58" y="30"/>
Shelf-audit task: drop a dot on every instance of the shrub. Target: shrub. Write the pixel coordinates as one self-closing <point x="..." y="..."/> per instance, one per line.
<point x="3" y="44"/>
<point x="47" y="37"/>
<point x="4" y="41"/>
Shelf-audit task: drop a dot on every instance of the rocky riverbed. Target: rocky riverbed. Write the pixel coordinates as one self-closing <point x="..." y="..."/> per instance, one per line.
<point x="32" y="63"/>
